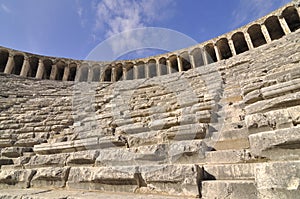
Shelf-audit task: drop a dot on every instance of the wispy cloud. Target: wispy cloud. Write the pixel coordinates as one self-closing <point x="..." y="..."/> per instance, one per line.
<point x="122" y="15"/>
<point x="5" y="8"/>
<point x="113" y="17"/>
<point x="249" y="10"/>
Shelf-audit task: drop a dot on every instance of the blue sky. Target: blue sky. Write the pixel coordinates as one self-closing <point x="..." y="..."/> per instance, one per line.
<point x="72" y="28"/>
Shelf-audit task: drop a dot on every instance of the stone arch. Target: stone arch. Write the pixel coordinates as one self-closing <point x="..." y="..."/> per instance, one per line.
<point x="186" y="62"/>
<point x="174" y="63"/>
<point x="141" y="72"/>
<point x="107" y="74"/>
<point x="84" y="73"/>
<point x="47" y="68"/>
<point x="72" y="72"/>
<point x="239" y="42"/>
<point x="163" y="66"/>
<point x="256" y="35"/>
<point x="198" y="57"/>
<point x="129" y="71"/>
<point x="60" y="69"/>
<point x="33" y="66"/>
<point x="224" y="48"/>
<point x="210" y="53"/>
<point x="292" y="18"/>
<point x="119" y="71"/>
<point x="18" y="63"/>
<point x="4" y="54"/>
<point x="152" y="70"/>
<point x="96" y="73"/>
<point x="274" y="28"/>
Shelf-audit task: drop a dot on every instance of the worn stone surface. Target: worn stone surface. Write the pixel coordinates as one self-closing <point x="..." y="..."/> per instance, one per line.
<point x="50" y="177"/>
<point x="229" y="189"/>
<point x="278" y="179"/>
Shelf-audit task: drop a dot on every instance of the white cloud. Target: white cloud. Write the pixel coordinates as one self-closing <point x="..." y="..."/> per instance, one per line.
<point x="123" y="15"/>
<point x="249" y="10"/>
<point x="5" y="8"/>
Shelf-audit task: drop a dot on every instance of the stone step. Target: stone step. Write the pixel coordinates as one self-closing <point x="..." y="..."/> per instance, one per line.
<point x="185" y="152"/>
<point x="47" y="193"/>
<point x="78" y="145"/>
<point x="278" y="179"/>
<point x="283" y="144"/>
<point x="180" y="180"/>
<point x="231" y="189"/>
<point x="228" y="156"/>
<point x="244" y="171"/>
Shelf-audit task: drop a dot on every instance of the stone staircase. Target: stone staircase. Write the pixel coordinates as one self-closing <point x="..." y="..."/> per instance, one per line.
<point x="218" y="131"/>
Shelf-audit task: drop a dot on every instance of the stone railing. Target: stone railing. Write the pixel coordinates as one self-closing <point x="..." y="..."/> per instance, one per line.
<point x="271" y="27"/>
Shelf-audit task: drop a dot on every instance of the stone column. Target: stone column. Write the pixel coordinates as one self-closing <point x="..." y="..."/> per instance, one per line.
<point x="218" y="54"/>
<point x="192" y="61"/>
<point x="124" y="73"/>
<point x="179" y="62"/>
<point x="53" y="72"/>
<point x="25" y="67"/>
<point x="158" y="68"/>
<point x="113" y="74"/>
<point x="135" y="71"/>
<point x="204" y="55"/>
<point x="284" y="25"/>
<point x="147" y="70"/>
<point x="266" y="33"/>
<point x="66" y="73"/>
<point x="248" y="40"/>
<point x="232" y="48"/>
<point x="40" y="70"/>
<point x="10" y="64"/>
<point x="90" y="74"/>
<point x="169" y="66"/>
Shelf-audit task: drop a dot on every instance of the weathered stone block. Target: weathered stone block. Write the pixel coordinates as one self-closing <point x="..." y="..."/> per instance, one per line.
<point x="187" y="132"/>
<point x="278" y="179"/>
<point x="279" y="144"/>
<point x="83" y="157"/>
<point x="16" y="178"/>
<point x="172" y="179"/>
<point x="50" y="177"/>
<point x="14" y="152"/>
<point x="233" y="189"/>
<point x="55" y="160"/>
<point x="229" y="172"/>
<point x="118" y="179"/>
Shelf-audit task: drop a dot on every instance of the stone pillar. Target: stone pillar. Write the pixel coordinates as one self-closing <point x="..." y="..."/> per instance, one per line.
<point x="248" y="40"/>
<point x="284" y="25"/>
<point x="147" y="70"/>
<point x="169" y="66"/>
<point x="192" y="61"/>
<point x="124" y="73"/>
<point x="204" y="55"/>
<point x="135" y="72"/>
<point x="40" y="70"/>
<point x="218" y="54"/>
<point x="232" y="48"/>
<point x="53" y="72"/>
<point x="90" y="74"/>
<point x="266" y="33"/>
<point x="179" y="62"/>
<point x="25" y="67"/>
<point x="66" y="73"/>
<point x="10" y="64"/>
<point x="158" y="68"/>
<point x="113" y="74"/>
